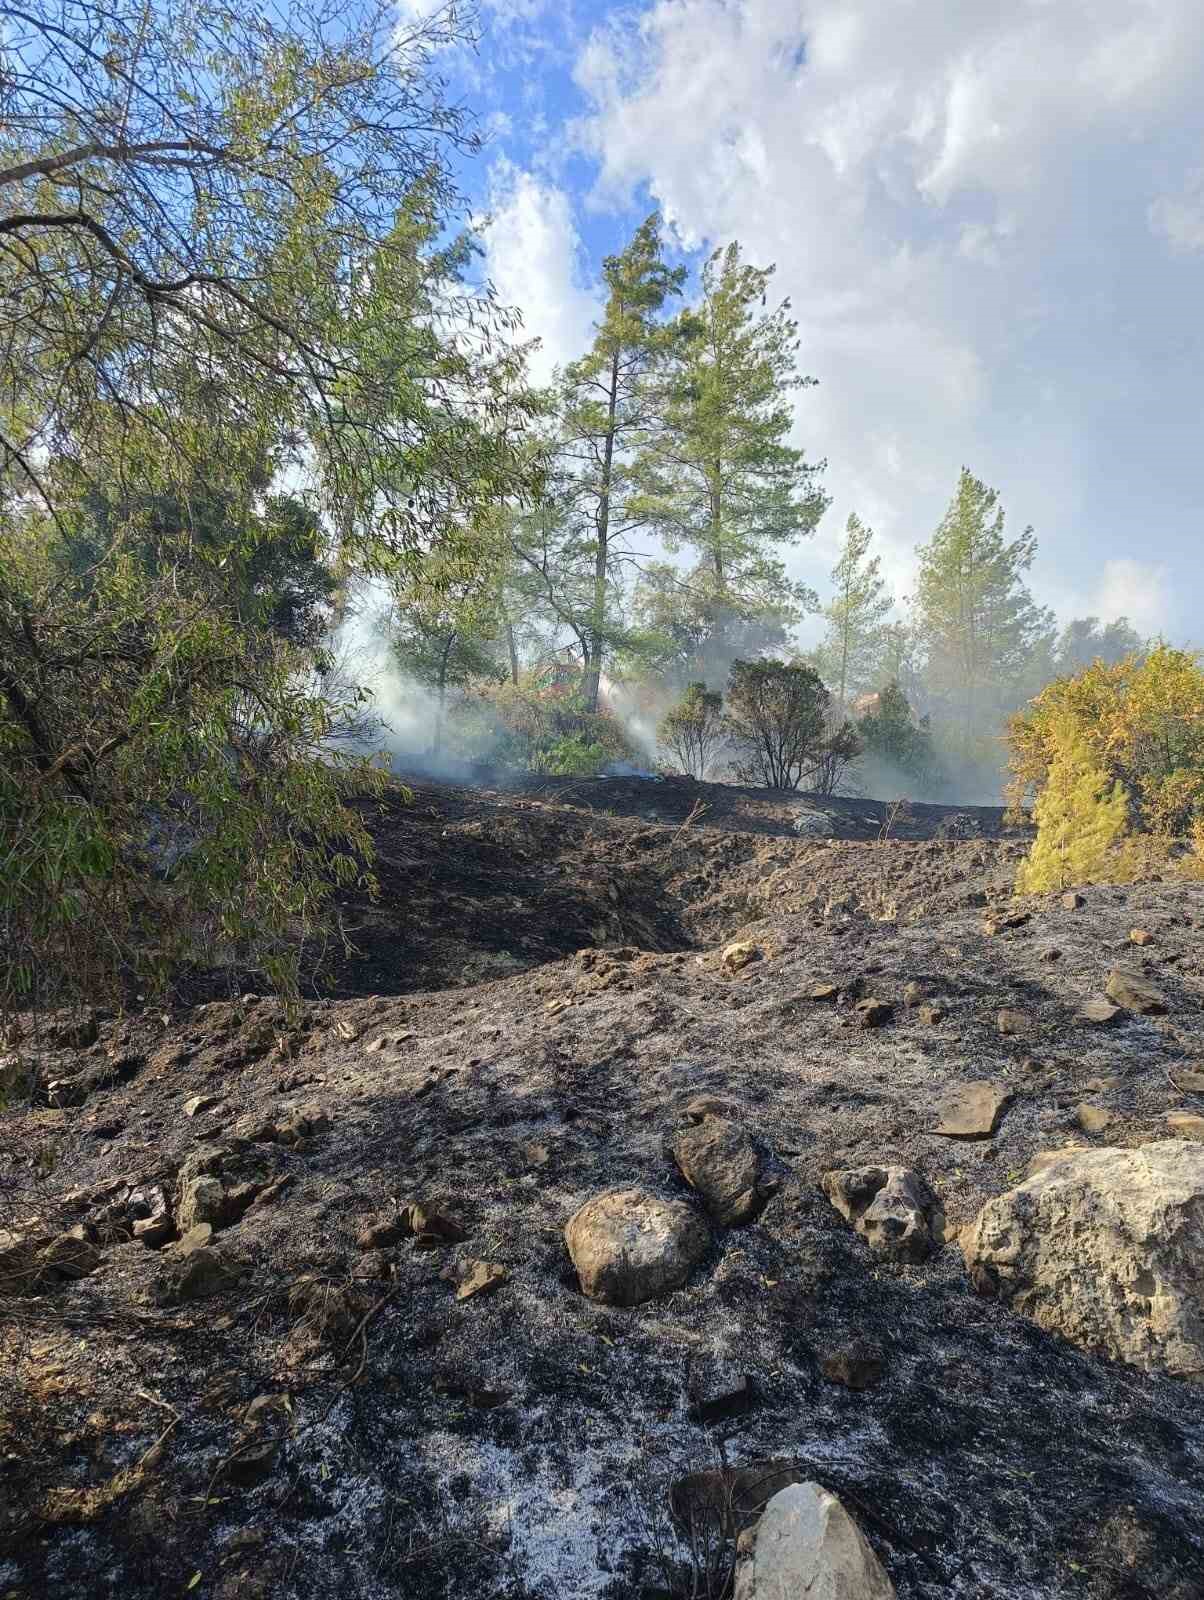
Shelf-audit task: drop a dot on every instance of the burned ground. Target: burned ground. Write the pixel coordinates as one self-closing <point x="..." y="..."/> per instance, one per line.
<point x="541" y="992"/>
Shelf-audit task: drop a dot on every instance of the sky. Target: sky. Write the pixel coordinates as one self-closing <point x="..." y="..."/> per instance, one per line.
<point x="988" y="219"/>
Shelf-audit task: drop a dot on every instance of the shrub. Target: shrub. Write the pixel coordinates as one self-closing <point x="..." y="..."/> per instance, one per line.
<point x="776" y="720"/>
<point x="693" y="732"/>
<point x="1082" y="820"/>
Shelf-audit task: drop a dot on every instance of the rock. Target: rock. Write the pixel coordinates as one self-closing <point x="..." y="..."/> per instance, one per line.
<point x="1135" y="993"/>
<point x="629" y="1246"/>
<point x="69" y="1255"/>
<point x="892" y="1208"/>
<point x="1039" y="1162"/>
<point x="250" y="1463"/>
<point x="1072" y="901"/>
<point x="480" y="1277"/>
<point x="709" y="1105"/>
<point x="1051" y="953"/>
<point x="1106" y="1248"/>
<point x="1140" y="936"/>
<point x="197" y="1238"/>
<point x="202" y="1199"/>
<point x="824" y="993"/>
<point x="304" y="1122"/>
<point x="806" y="1544"/>
<point x="972" y="1110"/>
<point x="154" y="1231"/>
<point x="1013" y="1023"/>
<point x="731" y="1400"/>
<point x="739" y="955"/>
<point x="195" y="1274"/>
<point x="1003" y="920"/>
<point x="874" y="1013"/>
<point x="718" y="1160"/>
<point x="381" y="1233"/>
<point x="1093" y="1119"/>
<point x="199" y="1103"/>
<point x="1098" y="1012"/>
<point x="931" y="1014"/>
<point x="327" y="1313"/>
<point x="1183" y="1125"/>
<point x="914" y="994"/>
<point x="857" y="1365"/>
<point x="810" y="824"/>
<point x="430" y="1226"/>
<point x="1187" y="1081"/>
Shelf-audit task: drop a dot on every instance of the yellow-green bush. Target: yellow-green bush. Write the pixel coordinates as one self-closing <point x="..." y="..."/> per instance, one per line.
<point x="1114" y="758"/>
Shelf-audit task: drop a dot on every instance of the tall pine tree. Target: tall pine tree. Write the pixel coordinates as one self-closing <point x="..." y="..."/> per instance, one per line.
<point x="850" y="656"/>
<point x="716" y="474"/>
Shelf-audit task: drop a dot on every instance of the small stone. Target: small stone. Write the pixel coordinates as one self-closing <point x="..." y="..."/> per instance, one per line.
<point x="381" y="1233"/>
<point x="892" y="1208"/>
<point x="70" y="1255"/>
<point x="373" y="1264"/>
<point x="824" y="993"/>
<point x="199" y="1103"/>
<point x="931" y="1014"/>
<point x="858" y="1365"/>
<point x="1093" y="1119"/>
<point x="1185" y="1125"/>
<point x="1187" y="1080"/>
<point x="1135" y="993"/>
<point x="196" y="1238"/>
<point x="376" y="1044"/>
<point x="709" y="1105"/>
<point x="629" y="1246"/>
<point x="740" y="955"/>
<point x="914" y="994"/>
<point x="1051" y="954"/>
<point x="202" y="1199"/>
<point x="972" y="1110"/>
<point x="1013" y="1023"/>
<point x="1140" y="936"/>
<point x="1098" y="1012"/>
<point x="250" y="1463"/>
<point x="736" y="1400"/>
<point x="718" y="1160"/>
<point x="1072" y="901"/>
<point x="154" y="1231"/>
<point x="874" y="1013"/>
<point x="481" y="1277"/>
<point x="428" y="1224"/>
<point x="346" y="1030"/>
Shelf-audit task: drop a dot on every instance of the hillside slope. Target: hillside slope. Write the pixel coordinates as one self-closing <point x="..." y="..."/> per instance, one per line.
<point x="308" y="1407"/>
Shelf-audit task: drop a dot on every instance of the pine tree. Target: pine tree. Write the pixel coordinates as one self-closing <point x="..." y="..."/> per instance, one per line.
<point x="1082" y="822"/>
<point x="716" y="474"/>
<point x="605" y="407"/>
<point x="850" y="655"/>
<point x="975" y="618"/>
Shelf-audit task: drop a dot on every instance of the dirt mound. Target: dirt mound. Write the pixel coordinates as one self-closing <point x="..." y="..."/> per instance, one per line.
<point x="391" y="1384"/>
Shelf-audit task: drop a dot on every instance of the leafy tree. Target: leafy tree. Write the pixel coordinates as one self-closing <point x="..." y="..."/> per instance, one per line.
<point x="895" y="744"/>
<point x="840" y="748"/>
<point x="605" y="408"/>
<point x="975" y="619"/>
<point x="776" y="721"/>
<point x="685" y="634"/>
<point x="850" y="654"/>
<point x="443" y="635"/>
<point x="693" y="731"/>
<point x="1142" y="722"/>
<point x="1082" y="818"/>
<point x="715" y="472"/>
<point x="1085" y="639"/>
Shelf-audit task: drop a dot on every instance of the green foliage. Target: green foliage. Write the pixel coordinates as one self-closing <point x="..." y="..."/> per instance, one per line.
<point x="535" y="726"/>
<point x="694" y="732"/>
<point x="776" y="721"/>
<point x="1141" y="719"/>
<point x="1085" y="639"/>
<point x="896" y="745"/>
<point x="1082" y="818"/>
<point x="715" y="472"/>
<point x="688" y="632"/>
<point x="850" y="656"/>
<point x="982" y="636"/>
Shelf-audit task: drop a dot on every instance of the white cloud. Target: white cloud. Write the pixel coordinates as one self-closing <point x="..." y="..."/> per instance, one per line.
<point x="535" y="261"/>
<point x="970" y="207"/>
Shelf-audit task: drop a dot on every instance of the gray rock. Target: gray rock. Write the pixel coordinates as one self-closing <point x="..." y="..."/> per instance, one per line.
<point x="1135" y="993"/>
<point x="810" y="824"/>
<point x="972" y="1110"/>
<point x="718" y="1160"/>
<point x="1106" y="1248"/>
<point x="892" y="1208"/>
<point x="629" y="1246"/>
<point x="805" y="1544"/>
<point x="202" y="1199"/>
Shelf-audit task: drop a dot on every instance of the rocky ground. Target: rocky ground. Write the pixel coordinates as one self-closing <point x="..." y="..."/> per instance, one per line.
<point x="288" y="1307"/>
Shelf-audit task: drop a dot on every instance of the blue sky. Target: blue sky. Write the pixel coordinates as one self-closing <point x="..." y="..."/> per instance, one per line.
<point x="989" y="219"/>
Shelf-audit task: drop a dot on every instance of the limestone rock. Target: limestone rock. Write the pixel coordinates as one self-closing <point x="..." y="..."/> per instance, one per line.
<point x="725" y="1500"/>
<point x="740" y="955"/>
<point x="931" y="1014"/>
<point x="202" y="1199"/>
<point x="1183" y="1125"/>
<point x="823" y="993"/>
<point x="718" y="1160"/>
<point x="1072" y="901"/>
<point x="708" y="1105"/>
<point x="874" y="1013"/>
<point x="1140" y="936"/>
<point x="1135" y="993"/>
<point x="1106" y="1248"/>
<point x="195" y="1274"/>
<point x="972" y="1110"/>
<point x="810" y="824"/>
<point x="480" y="1277"/>
<point x="1011" y="1022"/>
<point x="1093" y="1119"/>
<point x="70" y="1255"/>
<point x="1187" y="1081"/>
<point x="806" y="1543"/>
<point x="892" y="1208"/>
<point x="629" y="1246"/>
<point x="1098" y="1012"/>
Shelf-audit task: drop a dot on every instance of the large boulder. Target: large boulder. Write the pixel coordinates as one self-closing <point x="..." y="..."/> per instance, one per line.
<point x="629" y="1246"/>
<point x="892" y="1208"/>
<point x="807" y="1544"/>
<point x="1106" y="1248"/>
<point x="718" y="1160"/>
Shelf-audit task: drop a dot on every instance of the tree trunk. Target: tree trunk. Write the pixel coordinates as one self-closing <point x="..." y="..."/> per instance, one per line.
<point x="592" y="681"/>
<point x="513" y="649"/>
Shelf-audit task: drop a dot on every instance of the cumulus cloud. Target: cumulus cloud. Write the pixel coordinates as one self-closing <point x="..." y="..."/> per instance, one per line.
<point x="536" y="262"/>
<point x="979" y="212"/>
